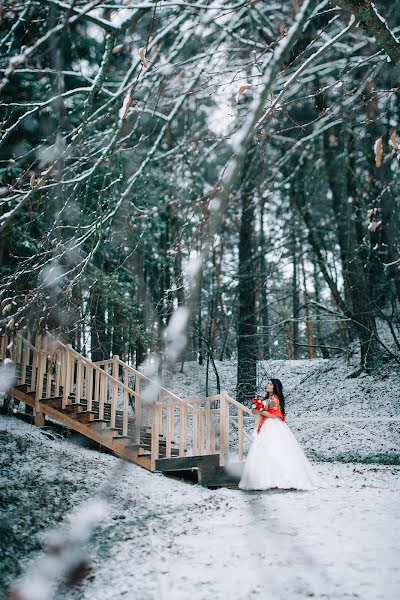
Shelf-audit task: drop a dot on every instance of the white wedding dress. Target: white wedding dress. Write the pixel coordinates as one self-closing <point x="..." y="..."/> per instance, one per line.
<point x="276" y="460"/>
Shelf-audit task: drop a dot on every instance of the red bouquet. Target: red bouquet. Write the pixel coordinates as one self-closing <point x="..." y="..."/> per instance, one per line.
<point x="258" y="404"/>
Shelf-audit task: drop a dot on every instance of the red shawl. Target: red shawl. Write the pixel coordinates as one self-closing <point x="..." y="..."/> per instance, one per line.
<point x="274" y="409"/>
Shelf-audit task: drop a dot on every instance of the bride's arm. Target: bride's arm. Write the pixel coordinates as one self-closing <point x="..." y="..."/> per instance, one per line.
<point x="274" y="404"/>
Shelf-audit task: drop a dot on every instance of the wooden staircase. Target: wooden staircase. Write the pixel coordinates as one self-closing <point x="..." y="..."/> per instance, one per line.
<point x="109" y="402"/>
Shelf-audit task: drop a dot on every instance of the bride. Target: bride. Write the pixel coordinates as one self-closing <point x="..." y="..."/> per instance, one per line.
<point x="275" y="459"/>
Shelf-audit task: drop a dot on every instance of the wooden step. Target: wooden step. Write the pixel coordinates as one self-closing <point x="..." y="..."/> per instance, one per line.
<point x="85" y="416"/>
<point x="122" y="438"/>
<point x="144" y="448"/>
<point x="98" y="424"/>
<point x="96" y="407"/>
<point x="147" y="454"/>
<point x="135" y="446"/>
<point x="186" y="462"/>
<point x="23" y="387"/>
<point x="54" y="401"/>
<point x="74" y="408"/>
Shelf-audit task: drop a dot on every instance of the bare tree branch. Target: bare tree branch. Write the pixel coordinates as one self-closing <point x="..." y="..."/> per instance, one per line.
<point x="374" y="24"/>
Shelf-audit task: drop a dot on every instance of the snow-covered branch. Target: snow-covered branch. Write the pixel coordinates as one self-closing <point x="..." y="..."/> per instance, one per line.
<point x="376" y="25"/>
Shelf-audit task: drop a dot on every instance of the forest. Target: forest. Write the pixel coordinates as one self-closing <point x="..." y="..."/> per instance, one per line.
<point x="240" y="159"/>
<point x="199" y="299"/>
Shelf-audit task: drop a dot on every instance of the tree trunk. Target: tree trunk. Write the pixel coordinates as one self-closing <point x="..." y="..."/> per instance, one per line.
<point x="360" y="310"/>
<point x="324" y="349"/>
<point x="309" y="333"/>
<point x="247" y="327"/>
<point x="176" y="247"/>
<point x="141" y="349"/>
<point x="294" y="345"/>
<point x="265" y="353"/>
<point x="98" y="327"/>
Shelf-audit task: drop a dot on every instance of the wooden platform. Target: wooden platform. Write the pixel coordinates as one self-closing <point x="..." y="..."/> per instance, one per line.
<point x="207" y="468"/>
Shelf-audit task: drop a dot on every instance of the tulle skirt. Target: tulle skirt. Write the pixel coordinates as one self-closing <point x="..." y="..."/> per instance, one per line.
<point x="276" y="460"/>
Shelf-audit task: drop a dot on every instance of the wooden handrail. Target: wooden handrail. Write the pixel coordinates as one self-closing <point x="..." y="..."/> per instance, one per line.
<point x="108" y="361"/>
<point x="238" y="404"/>
<point x="96" y="368"/>
<point x="96" y="364"/>
<point x="163" y="390"/>
<point x="26" y="342"/>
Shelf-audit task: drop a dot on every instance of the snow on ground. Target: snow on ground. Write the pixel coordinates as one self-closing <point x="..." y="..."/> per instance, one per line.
<point x="316" y="389"/>
<point x="171" y="540"/>
<point x="309" y="385"/>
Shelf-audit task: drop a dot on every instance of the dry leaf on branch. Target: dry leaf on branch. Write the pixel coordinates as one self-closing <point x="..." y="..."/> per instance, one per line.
<point x="117" y="49"/>
<point x="142" y="52"/>
<point x="125" y="107"/>
<point x="378" y="151"/>
<point x="393" y="139"/>
<point x="244" y="87"/>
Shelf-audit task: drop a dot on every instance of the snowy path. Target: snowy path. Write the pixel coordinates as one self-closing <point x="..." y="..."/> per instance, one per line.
<point x="340" y="542"/>
<point x="168" y="540"/>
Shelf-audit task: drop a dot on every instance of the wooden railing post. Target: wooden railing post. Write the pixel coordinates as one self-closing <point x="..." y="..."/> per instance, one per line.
<point x="208" y="427"/>
<point x="68" y="366"/>
<point x="3" y="346"/>
<point x="41" y="370"/>
<point x="240" y="434"/>
<point x="169" y="428"/>
<point x="125" y="413"/>
<point x="223" y="428"/>
<point x="58" y="372"/>
<point x="14" y="340"/>
<point x="35" y="361"/>
<point x="138" y="409"/>
<point x="195" y="434"/>
<point x="160" y="401"/>
<point x="201" y="434"/>
<point x="96" y="392"/>
<point x="89" y="387"/>
<point x="103" y="394"/>
<point x="25" y="361"/>
<point x="114" y="389"/>
<point x="79" y="380"/>
<point x="155" y="431"/>
<point x="213" y="443"/>
<point x="49" y="367"/>
<point x="182" y="429"/>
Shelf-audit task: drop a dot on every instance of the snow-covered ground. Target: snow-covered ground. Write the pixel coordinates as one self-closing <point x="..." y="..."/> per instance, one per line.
<point x="167" y="539"/>
<point x="354" y="411"/>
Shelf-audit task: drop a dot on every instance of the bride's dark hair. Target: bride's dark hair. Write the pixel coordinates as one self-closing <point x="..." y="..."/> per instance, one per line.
<point x="278" y="390"/>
